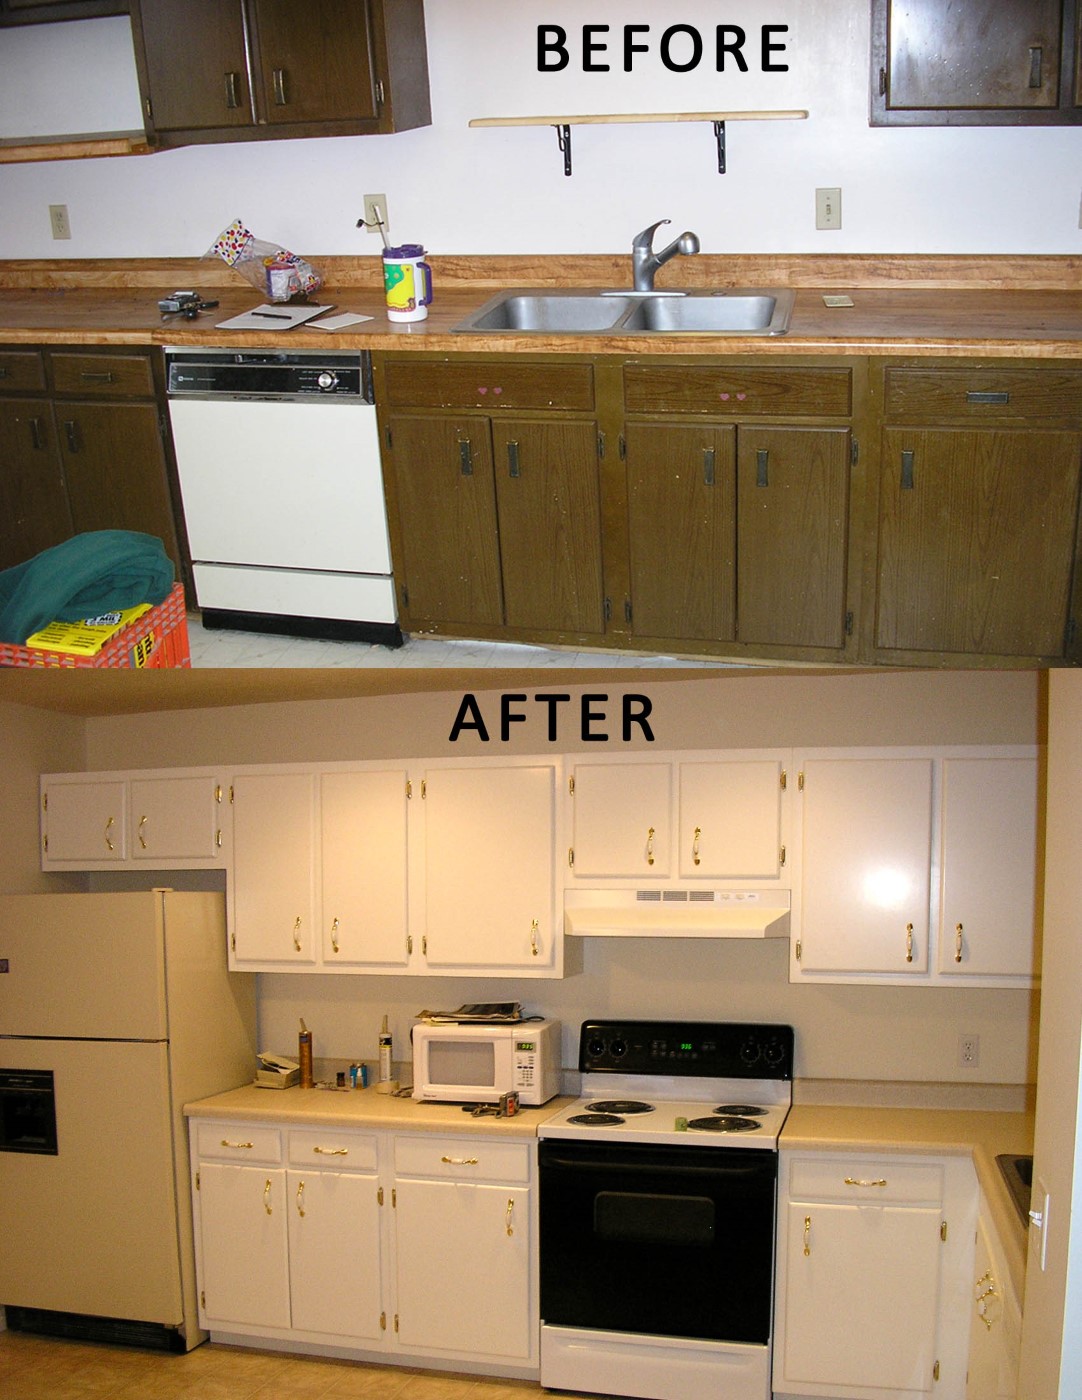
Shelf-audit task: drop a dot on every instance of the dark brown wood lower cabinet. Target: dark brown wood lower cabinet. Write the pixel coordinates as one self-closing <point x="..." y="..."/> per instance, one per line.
<point x="977" y="534"/>
<point x="34" y="512"/>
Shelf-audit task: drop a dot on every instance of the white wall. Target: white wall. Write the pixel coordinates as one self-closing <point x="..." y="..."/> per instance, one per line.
<point x="997" y="190"/>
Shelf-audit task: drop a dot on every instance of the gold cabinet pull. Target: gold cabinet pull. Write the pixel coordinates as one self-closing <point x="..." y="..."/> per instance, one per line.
<point x="909" y="943"/>
<point x="296" y="930"/>
<point x="860" y="1181"/>
<point x="331" y="1151"/>
<point x="650" y="846"/>
<point x="535" y="948"/>
<point x="142" y="830"/>
<point x="108" y="838"/>
<point x="695" y="846"/>
<point x="807" y="1236"/>
<point x="507" y="1218"/>
<point x="266" y="1197"/>
<point x="238" y="1146"/>
<point x="460" y="1161"/>
<point x="986" y="1298"/>
<point x="958" y="943"/>
<point x="334" y="934"/>
<point x="300" y="1198"/>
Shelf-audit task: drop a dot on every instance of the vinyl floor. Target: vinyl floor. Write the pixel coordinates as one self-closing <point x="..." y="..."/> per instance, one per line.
<point x="40" y="1368"/>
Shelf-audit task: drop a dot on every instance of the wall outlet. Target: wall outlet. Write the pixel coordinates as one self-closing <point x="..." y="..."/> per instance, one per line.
<point x="375" y="213"/>
<point x="969" y="1051"/>
<point x="828" y="208"/>
<point x="58" y="218"/>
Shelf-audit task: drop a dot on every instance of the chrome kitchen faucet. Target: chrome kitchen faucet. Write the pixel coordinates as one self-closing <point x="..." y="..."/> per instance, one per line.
<point x="645" y="262"/>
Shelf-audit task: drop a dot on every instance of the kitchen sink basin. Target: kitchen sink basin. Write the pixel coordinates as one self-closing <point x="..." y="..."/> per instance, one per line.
<point x="1018" y="1174"/>
<point x="737" y="312"/>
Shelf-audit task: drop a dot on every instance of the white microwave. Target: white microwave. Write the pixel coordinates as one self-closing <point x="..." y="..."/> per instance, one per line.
<point x="476" y="1064"/>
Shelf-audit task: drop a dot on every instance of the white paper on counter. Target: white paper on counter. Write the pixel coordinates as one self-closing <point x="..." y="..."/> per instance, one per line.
<point x="339" y="322"/>
<point x="271" y="317"/>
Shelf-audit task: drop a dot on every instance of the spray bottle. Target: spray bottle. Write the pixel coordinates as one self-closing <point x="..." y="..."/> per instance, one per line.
<point x="386" y="1057"/>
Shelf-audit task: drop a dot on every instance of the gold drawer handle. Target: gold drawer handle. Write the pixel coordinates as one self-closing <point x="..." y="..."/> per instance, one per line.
<point x="460" y="1161"/>
<point x="858" y="1181"/>
<point x="332" y="1151"/>
<point x="238" y="1146"/>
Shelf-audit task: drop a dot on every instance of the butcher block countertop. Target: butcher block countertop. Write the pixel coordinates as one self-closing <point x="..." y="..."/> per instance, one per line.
<point x="364" y="1108"/>
<point x="1004" y="306"/>
<point x="931" y="1131"/>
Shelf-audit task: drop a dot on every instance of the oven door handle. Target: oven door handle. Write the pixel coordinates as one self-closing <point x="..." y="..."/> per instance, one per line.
<point x="632" y="1168"/>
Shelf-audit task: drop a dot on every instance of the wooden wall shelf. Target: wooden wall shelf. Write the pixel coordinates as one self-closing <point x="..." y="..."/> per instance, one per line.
<point x="118" y="143"/>
<point x="563" y="124"/>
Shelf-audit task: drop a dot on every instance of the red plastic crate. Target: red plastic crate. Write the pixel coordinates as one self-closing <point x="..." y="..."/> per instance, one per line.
<point x="156" y="641"/>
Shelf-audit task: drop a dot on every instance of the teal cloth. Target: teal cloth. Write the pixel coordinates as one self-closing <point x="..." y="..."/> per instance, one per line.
<point x="96" y="572"/>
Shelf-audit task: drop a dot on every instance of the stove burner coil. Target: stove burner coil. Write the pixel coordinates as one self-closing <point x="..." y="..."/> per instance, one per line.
<point x="741" y="1110"/>
<point x="595" y="1120"/>
<point x="723" y="1123"/>
<point x="622" y="1106"/>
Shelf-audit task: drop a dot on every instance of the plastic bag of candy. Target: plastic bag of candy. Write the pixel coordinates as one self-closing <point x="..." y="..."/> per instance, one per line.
<point x="275" y="272"/>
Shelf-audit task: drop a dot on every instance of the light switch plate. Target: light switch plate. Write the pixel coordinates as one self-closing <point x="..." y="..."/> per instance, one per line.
<point x="828" y="208"/>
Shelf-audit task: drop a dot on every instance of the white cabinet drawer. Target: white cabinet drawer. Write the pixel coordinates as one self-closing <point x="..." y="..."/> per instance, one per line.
<point x="855" y="1179"/>
<point x="333" y="1148"/>
<point x="239" y="1142"/>
<point x="464" y="1158"/>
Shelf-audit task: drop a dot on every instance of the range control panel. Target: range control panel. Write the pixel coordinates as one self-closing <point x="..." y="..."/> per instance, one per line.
<point x="721" y="1050"/>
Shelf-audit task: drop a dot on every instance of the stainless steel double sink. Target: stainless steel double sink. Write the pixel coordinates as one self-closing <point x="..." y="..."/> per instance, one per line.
<point x="750" y="311"/>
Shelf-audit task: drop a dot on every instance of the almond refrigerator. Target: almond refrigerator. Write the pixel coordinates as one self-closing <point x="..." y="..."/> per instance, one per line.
<point x="115" y="1010"/>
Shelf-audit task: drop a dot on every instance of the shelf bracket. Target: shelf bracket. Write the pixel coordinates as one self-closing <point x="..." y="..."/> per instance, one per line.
<point x="563" y="137"/>
<point x="719" y="134"/>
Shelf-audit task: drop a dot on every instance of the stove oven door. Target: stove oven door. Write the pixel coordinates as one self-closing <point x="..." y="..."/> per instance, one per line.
<point x="659" y="1241"/>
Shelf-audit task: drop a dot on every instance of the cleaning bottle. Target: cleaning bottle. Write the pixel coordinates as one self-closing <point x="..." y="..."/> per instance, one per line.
<point x="304" y="1054"/>
<point x="386" y="1057"/>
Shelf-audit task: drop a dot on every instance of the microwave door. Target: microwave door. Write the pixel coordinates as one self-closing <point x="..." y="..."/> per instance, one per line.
<point x="463" y="1069"/>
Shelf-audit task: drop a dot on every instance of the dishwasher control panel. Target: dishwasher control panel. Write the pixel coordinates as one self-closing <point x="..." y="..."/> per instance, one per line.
<point x="244" y="374"/>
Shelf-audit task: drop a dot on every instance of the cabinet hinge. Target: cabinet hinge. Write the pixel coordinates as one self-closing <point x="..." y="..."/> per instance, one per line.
<point x="600" y="445"/>
<point x="1072" y="630"/>
<point x="409" y="789"/>
<point x="148" y="109"/>
<point x="233" y="941"/>
<point x="198" y="1185"/>
<point x="799" y="949"/>
<point x="571" y="857"/>
<point x="383" y="1322"/>
<point x="882" y="82"/>
<point x="943" y="1230"/>
<point x="606" y="608"/>
<point x="45" y="843"/>
<point x="849" y="624"/>
<point x="394" y="1197"/>
<point x="424" y="945"/>
<point x="424" y="788"/>
<point x="379" y="1196"/>
<point x="380" y="99"/>
<point x="784" y="780"/>
<point x="782" y="859"/>
<point x="44" y="801"/>
<point x="935" y="1371"/>
<point x="800" y="782"/>
<point x="627" y="611"/>
<point x="854" y="451"/>
<point x="203" y="1298"/>
<point x="405" y="596"/>
<point x="396" y="1322"/>
<point x="409" y="945"/>
<point x="218" y="793"/>
<point x="389" y="436"/>
<point x="230" y="794"/>
<point x="622" y="443"/>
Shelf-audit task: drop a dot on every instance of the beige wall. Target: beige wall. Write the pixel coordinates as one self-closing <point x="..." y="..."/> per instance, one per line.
<point x="32" y="742"/>
<point x="842" y="1032"/>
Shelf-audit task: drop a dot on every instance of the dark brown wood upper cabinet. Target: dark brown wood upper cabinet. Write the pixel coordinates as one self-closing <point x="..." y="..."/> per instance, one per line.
<point x="15" y="12"/>
<point x="243" y="70"/>
<point x="974" y="62"/>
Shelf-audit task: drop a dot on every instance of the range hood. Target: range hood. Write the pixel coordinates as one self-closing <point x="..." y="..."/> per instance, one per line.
<point x="677" y="913"/>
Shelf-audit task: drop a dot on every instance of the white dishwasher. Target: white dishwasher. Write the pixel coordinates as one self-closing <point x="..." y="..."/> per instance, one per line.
<point x="279" y="466"/>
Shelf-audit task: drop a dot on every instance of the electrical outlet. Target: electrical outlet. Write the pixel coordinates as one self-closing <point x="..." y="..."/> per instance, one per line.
<point x="375" y="213"/>
<point x="969" y="1051"/>
<point x="828" y="208"/>
<point x="58" y="218"/>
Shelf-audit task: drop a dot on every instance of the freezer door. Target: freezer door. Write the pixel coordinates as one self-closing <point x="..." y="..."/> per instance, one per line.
<point x="93" y="1229"/>
<point x="82" y="965"/>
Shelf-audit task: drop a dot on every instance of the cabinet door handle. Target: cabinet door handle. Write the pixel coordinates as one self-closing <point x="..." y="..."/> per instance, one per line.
<point x="513" y="468"/>
<point x="296" y="931"/>
<point x="762" y="456"/>
<point x="907" y="471"/>
<point x="958" y="943"/>
<point x="460" y="1161"/>
<point x="650" y="846"/>
<point x="710" y="457"/>
<point x="987" y="396"/>
<point x="142" y="833"/>
<point x="37" y="434"/>
<point x="535" y="947"/>
<point x="300" y="1198"/>
<point x="97" y="376"/>
<point x="909" y="943"/>
<point x="1036" y="56"/>
<point x="807" y="1236"/>
<point x="334" y="945"/>
<point x="232" y="90"/>
<point x="695" y="846"/>
<point x="71" y="432"/>
<point x="859" y="1181"/>
<point x="278" y="79"/>
<point x="108" y="837"/>
<point x="465" y="456"/>
<point x="266" y="1197"/>
<point x="508" y="1226"/>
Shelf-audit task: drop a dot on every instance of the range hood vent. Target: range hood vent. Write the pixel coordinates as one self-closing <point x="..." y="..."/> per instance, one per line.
<point x="677" y="913"/>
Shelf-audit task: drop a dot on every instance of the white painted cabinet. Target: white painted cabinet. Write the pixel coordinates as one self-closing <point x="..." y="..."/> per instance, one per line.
<point x="169" y="820"/>
<point x="679" y="818"/>
<point x="245" y="1257"/>
<point x="487" y="880"/>
<point x="465" y="1249"/>
<point x="988" y="843"/>
<point x="866" y="852"/>
<point x="995" y="1336"/>
<point x="874" y="1253"/>
<point x="273" y="889"/>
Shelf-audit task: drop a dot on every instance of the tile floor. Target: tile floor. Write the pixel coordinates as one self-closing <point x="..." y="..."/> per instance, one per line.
<point x="224" y="647"/>
<point x="39" y="1368"/>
